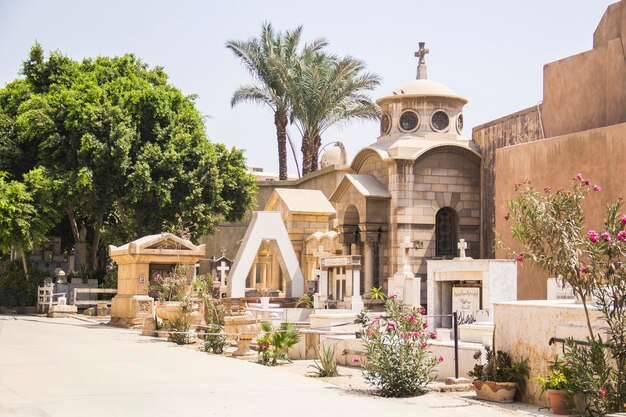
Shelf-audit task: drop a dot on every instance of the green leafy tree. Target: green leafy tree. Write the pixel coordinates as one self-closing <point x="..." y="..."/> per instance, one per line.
<point x="26" y="214"/>
<point x="125" y="149"/>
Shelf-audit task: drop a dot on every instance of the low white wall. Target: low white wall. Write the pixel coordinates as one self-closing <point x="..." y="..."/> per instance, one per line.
<point x="523" y="328"/>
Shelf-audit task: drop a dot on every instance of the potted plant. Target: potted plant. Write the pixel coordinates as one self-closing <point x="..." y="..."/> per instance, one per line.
<point x="555" y="384"/>
<point x="499" y="378"/>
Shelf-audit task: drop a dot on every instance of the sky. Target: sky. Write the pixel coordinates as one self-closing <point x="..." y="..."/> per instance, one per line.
<point x="490" y="51"/>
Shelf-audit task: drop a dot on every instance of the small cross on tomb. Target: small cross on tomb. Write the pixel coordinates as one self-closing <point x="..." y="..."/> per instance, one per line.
<point x="462" y="245"/>
<point x="223" y="269"/>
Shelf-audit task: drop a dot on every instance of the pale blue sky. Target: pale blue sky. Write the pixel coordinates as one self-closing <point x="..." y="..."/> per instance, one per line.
<point x="491" y="52"/>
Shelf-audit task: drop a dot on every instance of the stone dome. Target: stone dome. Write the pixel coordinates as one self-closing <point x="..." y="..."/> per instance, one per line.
<point x="422" y="88"/>
<point x="335" y="155"/>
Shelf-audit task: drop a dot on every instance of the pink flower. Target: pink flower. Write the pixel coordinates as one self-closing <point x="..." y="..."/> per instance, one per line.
<point x="391" y="325"/>
<point x="412" y="319"/>
<point x="621" y="236"/>
<point x="393" y="296"/>
<point x="602" y="392"/>
<point x="606" y="236"/>
<point x="583" y="269"/>
<point x="417" y="334"/>
<point x="406" y="335"/>
<point x="422" y="310"/>
<point x="597" y="188"/>
<point x="425" y="325"/>
<point x="579" y="176"/>
<point x="519" y="258"/>
<point x="587" y="182"/>
<point x="433" y="335"/>
<point x="623" y="218"/>
<point x="593" y="236"/>
<point x="440" y="359"/>
<point x="356" y="360"/>
<point x="424" y="344"/>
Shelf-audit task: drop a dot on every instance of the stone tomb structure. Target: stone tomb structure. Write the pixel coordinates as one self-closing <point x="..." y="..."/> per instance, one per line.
<point x="339" y="284"/>
<point x="219" y="268"/>
<point x="449" y="279"/>
<point x="137" y="261"/>
<point x="267" y="233"/>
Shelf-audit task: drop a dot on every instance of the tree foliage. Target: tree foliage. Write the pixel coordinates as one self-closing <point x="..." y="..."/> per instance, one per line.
<point x="125" y="149"/>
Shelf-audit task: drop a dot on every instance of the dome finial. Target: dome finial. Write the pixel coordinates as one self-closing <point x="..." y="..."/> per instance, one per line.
<point x="421" y="67"/>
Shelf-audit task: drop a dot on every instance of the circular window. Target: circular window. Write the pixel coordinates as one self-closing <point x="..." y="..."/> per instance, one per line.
<point x="459" y="123"/>
<point x="440" y="121"/>
<point x="385" y="124"/>
<point x="409" y="121"/>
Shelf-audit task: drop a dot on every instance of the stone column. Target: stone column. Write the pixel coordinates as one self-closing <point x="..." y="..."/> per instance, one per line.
<point x="346" y="238"/>
<point x="369" y="236"/>
<point x="368" y="267"/>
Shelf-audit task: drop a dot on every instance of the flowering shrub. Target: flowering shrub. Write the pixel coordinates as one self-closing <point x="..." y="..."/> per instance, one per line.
<point x="397" y="362"/>
<point x="173" y="286"/>
<point x="551" y="228"/>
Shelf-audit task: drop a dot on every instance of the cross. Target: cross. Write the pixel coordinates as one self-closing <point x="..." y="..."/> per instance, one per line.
<point x="222" y="251"/>
<point x="462" y="245"/>
<point x="421" y="53"/>
<point x="223" y="268"/>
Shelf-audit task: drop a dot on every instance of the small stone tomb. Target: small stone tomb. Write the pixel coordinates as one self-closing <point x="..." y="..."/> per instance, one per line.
<point x="137" y="261"/>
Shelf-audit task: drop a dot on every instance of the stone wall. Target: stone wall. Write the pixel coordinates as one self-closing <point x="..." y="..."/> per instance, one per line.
<point x="521" y="127"/>
<point x="442" y="179"/>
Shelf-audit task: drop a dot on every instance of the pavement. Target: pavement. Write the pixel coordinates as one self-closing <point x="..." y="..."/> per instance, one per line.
<point x="75" y="368"/>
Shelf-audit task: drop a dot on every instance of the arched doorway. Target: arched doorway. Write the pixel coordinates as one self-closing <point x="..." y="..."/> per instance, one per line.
<point x="445" y="233"/>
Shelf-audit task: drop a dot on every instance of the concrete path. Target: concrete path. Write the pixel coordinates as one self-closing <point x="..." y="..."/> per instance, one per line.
<point x="68" y="368"/>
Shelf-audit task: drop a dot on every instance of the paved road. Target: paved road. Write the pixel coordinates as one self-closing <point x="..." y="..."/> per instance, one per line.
<point x="71" y="368"/>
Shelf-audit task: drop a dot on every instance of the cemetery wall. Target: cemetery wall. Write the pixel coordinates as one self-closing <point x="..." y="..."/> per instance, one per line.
<point x="520" y="127"/>
<point x="524" y="328"/>
<point x="598" y="154"/>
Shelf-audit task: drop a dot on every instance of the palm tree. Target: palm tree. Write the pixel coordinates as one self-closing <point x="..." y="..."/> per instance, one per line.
<point x="261" y="56"/>
<point x="326" y="90"/>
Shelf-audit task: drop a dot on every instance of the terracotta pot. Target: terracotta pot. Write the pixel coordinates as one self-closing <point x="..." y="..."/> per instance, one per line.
<point x="500" y="392"/>
<point x="168" y="311"/>
<point x="559" y="401"/>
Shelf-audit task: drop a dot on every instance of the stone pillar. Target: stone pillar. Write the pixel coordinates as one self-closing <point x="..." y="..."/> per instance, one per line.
<point x="264" y="274"/>
<point x="368" y="267"/>
<point x="369" y="236"/>
<point x="346" y="238"/>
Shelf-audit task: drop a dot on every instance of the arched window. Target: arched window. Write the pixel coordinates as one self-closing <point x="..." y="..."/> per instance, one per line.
<point x="445" y="233"/>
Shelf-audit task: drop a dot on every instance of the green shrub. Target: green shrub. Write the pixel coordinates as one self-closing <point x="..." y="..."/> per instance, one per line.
<point x="327" y="365"/>
<point x="215" y="340"/>
<point x="274" y="343"/>
<point x="15" y="291"/>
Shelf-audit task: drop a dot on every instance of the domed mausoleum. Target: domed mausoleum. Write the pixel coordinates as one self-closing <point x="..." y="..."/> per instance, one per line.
<point x="416" y="187"/>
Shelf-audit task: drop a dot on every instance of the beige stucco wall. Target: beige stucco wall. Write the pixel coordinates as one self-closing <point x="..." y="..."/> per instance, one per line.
<point x="524" y="328"/>
<point x="598" y="154"/>
<point x="588" y="90"/>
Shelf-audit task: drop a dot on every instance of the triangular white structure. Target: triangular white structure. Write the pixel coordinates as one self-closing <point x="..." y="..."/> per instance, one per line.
<point x="266" y="225"/>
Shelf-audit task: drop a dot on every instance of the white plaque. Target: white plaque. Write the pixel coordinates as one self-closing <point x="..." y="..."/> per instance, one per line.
<point x="466" y="302"/>
<point x="340" y="261"/>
